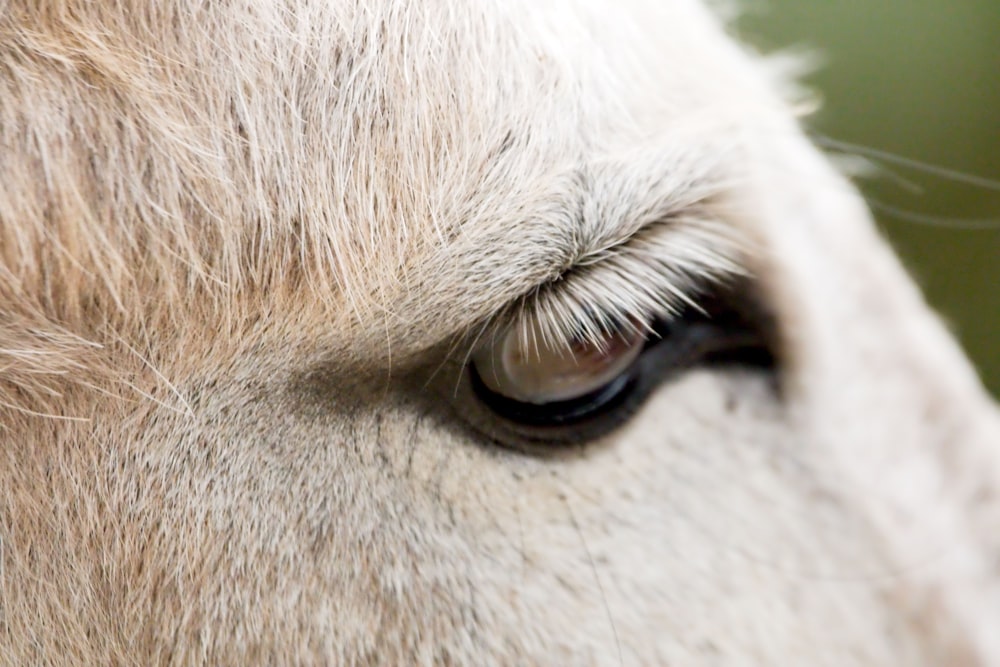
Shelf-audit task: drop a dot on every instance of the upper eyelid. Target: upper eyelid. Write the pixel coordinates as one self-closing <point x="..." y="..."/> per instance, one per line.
<point x="511" y="253"/>
<point x="620" y="196"/>
<point x="616" y="199"/>
<point x="634" y="281"/>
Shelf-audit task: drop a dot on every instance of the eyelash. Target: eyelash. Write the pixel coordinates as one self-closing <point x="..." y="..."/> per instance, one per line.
<point x="631" y="283"/>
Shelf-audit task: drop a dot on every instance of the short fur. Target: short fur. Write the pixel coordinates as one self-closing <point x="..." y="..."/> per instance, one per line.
<point x="246" y="248"/>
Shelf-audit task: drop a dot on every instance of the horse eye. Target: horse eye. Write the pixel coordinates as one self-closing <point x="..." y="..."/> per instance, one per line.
<point x="572" y="393"/>
<point x="525" y="378"/>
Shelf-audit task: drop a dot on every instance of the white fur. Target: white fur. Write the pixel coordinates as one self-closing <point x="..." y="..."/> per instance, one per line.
<point x="245" y="248"/>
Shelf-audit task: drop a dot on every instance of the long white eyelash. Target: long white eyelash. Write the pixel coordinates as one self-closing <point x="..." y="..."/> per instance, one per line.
<point x="655" y="274"/>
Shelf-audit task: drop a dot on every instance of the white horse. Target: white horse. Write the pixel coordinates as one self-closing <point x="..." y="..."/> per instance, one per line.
<point x="461" y="333"/>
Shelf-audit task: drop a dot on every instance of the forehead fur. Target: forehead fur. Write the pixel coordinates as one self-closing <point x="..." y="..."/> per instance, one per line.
<point x="222" y="145"/>
<point x="249" y="158"/>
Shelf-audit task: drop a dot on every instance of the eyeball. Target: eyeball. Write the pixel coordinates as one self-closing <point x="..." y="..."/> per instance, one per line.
<point x="526" y="378"/>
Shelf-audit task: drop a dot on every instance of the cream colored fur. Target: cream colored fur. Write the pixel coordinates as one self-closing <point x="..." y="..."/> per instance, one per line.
<point x="246" y="247"/>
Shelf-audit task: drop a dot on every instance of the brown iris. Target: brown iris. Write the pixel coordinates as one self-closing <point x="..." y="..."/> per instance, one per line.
<point x="524" y="366"/>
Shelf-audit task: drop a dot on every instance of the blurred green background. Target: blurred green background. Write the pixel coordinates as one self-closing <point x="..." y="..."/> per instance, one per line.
<point x="919" y="79"/>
